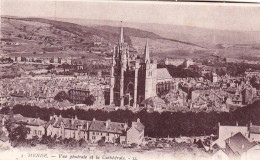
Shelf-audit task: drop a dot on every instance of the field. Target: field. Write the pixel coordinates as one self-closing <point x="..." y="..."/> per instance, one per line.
<point x="63" y="38"/>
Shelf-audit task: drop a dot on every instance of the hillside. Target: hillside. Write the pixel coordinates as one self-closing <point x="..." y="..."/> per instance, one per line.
<point x="76" y="37"/>
<point x="34" y="36"/>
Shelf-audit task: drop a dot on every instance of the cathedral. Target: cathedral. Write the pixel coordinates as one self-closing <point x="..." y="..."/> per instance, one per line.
<point x="134" y="80"/>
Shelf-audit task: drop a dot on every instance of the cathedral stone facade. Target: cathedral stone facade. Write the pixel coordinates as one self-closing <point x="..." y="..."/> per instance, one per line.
<point x="133" y="79"/>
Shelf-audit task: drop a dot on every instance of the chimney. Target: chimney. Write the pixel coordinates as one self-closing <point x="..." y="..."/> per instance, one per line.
<point x="218" y="123"/>
<point x="243" y="146"/>
<point x="107" y="123"/>
<point x="236" y="123"/>
<point x="94" y="119"/>
<point x="76" y="117"/>
<point x="125" y="126"/>
<point x="138" y="120"/>
<point x="3" y="121"/>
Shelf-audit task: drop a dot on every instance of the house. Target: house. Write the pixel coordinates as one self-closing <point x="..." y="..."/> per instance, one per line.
<point x="78" y="96"/>
<point x="4" y="139"/>
<point x="109" y="131"/>
<point x="36" y="125"/>
<point x="254" y="133"/>
<point x="238" y="145"/>
<point x="92" y="131"/>
<point x="68" y="128"/>
<point x="136" y="133"/>
<point x="225" y="132"/>
<point x="252" y="153"/>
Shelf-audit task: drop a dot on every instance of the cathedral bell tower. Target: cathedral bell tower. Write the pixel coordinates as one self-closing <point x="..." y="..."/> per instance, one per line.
<point x="150" y="74"/>
<point x="119" y="66"/>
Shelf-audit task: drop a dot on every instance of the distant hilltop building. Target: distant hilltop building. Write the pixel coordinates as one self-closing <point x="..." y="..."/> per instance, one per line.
<point x="133" y="79"/>
<point x="180" y="61"/>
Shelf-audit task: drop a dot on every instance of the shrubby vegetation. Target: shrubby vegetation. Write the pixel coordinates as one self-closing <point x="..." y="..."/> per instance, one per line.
<point x="61" y="96"/>
<point x="156" y="124"/>
<point x="233" y="69"/>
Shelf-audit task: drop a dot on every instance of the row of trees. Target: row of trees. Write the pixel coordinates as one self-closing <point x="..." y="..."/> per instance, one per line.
<point x="156" y="124"/>
<point x="233" y="69"/>
<point x="181" y="71"/>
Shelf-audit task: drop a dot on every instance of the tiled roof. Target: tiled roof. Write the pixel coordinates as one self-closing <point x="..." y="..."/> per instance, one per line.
<point x="69" y="123"/>
<point x="154" y="102"/>
<point x="113" y="127"/>
<point x="29" y="121"/>
<point x="239" y="143"/>
<point x="162" y="74"/>
<point x="138" y="126"/>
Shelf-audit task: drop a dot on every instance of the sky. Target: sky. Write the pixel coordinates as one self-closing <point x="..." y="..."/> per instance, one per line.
<point x="245" y="17"/>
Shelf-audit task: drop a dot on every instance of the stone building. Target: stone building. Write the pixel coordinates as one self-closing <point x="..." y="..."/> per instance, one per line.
<point x="108" y="131"/>
<point x="78" y="96"/>
<point x="135" y="134"/>
<point x="36" y="126"/>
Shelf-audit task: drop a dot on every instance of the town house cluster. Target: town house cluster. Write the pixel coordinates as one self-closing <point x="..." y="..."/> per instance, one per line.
<point x="90" y="131"/>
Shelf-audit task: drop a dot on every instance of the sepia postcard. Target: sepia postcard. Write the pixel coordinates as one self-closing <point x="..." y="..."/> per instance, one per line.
<point x="129" y="80"/>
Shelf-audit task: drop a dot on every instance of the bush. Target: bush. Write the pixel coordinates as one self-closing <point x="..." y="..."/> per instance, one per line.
<point x="101" y="142"/>
<point x="61" y="96"/>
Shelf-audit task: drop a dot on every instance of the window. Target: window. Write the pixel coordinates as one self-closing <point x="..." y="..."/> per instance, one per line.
<point x="40" y="133"/>
<point x="35" y="132"/>
<point x="93" y="137"/>
<point x="93" y="133"/>
<point x="97" y="133"/>
<point x="107" y="134"/>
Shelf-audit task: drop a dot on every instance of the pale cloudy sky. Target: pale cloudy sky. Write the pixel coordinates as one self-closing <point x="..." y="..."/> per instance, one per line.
<point x="215" y="15"/>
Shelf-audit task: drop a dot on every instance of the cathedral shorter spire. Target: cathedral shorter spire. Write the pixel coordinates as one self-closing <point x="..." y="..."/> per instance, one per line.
<point x="146" y="52"/>
<point x="121" y="38"/>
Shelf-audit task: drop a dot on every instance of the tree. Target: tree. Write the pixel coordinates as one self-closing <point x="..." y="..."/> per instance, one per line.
<point x="82" y="142"/>
<point x="19" y="133"/>
<point x="254" y="83"/>
<point x="90" y="100"/>
<point x="101" y="142"/>
<point x="61" y="96"/>
<point x="35" y="140"/>
<point x="5" y="110"/>
<point x="50" y="67"/>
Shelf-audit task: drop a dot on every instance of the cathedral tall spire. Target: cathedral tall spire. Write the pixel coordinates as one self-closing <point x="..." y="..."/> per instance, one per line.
<point x="146" y="52"/>
<point x="121" y="38"/>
